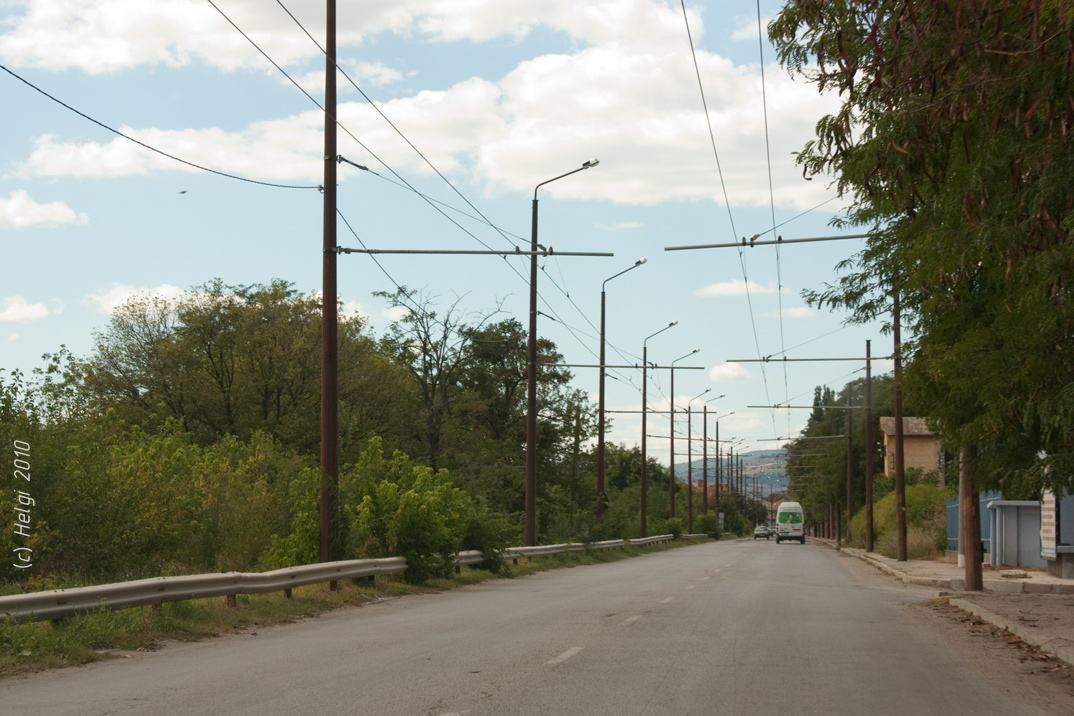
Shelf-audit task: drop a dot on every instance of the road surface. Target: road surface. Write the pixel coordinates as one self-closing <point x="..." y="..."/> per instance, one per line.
<point x="737" y="628"/>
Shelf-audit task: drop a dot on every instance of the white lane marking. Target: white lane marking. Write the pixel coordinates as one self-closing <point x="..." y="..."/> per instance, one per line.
<point x="665" y="601"/>
<point x="564" y="656"/>
<point x="631" y="620"/>
<point x="705" y="579"/>
<point x="692" y="586"/>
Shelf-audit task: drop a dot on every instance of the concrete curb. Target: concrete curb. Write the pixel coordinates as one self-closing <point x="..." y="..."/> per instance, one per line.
<point x="955" y="584"/>
<point x="1062" y="648"/>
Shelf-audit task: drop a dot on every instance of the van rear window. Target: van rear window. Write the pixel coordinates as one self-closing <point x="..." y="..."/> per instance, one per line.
<point x="790" y="518"/>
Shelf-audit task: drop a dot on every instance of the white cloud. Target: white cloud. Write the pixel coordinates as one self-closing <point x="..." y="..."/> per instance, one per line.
<point x="18" y="309"/>
<point x="19" y="211"/>
<point x="620" y="226"/>
<point x="738" y="288"/>
<point x="627" y="95"/>
<point x="396" y="313"/>
<point x="13" y="336"/>
<point x="101" y="36"/>
<point x="729" y="373"/>
<point x="108" y="300"/>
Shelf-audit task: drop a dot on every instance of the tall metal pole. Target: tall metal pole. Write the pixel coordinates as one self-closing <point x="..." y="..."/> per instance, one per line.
<point x="868" y="448"/>
<point x="689" y="472"/>
<point x="900" y="472"/>
<point x="600" y="416"/>
<point x="600" y="410"/>
<point x="644" y="411"/>
<point x="531" y="373"/>
<point x="530" y="536"/>
<point x="329" y="293"/>
<point x="644" y="531"/>
<point x="671" y="481"/>
<point x="705" y="462"/>
<point x="719" y="469"/>
<point x="850" y="459"/>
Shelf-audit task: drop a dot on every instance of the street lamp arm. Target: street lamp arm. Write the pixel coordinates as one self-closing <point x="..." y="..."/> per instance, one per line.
<point x="587" y="165"/>
<point x="637" y="263"/>
<point x="673" y="323"/>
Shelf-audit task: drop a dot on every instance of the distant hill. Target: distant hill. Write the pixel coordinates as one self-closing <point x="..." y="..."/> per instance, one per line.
<point x="767" y="466"/>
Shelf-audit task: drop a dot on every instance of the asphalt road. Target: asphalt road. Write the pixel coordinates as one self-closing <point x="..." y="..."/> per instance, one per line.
<point x="745" y="628"/>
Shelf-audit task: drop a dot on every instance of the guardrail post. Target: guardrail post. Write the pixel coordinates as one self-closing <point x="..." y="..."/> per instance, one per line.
<point x="231" y="600"/>
<point x="287" y="593"/>
<point x="333" y="585"/>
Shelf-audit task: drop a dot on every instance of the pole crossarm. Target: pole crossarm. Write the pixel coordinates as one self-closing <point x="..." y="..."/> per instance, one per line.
<point x="469" y="252"/>
<point x="805" y="407"/>
<point x="819" y="437"/>
<point x="753" y="242"/>
<point x="770" y="359"/>
<point x="652" y="366"/>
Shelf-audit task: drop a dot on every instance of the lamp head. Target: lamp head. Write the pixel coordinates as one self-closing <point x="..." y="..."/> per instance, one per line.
<point x="639" y="262"/>
<point x="673" y="323"/>
<point x="591" y="163"/>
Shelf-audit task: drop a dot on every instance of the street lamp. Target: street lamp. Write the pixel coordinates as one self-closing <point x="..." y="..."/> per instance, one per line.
<point x="671" y="488"/>
<point x="600" y="413"/>
<point x="705" y="456"/>
<point x="644" y="411"/>
<point x="531" y="370"/>
<point x="690" y="462"/>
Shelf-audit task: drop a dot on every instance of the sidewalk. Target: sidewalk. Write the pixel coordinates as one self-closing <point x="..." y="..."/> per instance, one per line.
<point x="1034" y="606"/>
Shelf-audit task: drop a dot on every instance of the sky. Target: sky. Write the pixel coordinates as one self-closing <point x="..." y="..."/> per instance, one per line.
<point x="497" y="95"/>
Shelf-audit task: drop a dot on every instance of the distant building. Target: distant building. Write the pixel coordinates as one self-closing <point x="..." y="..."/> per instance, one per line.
<point x="920" y="447"/>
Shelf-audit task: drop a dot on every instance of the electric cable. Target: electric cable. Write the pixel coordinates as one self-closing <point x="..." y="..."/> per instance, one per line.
<point x="146" y="146"/>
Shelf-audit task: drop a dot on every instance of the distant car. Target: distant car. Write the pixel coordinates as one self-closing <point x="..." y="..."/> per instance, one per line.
<point x="760" y="531"/>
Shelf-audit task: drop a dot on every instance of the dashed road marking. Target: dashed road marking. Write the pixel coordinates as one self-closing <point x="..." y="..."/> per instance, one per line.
<point x="564" y="656"/>
<point x="631" y="620"/>
<point x="692" y="586"/>
<point x="665" y="601"/>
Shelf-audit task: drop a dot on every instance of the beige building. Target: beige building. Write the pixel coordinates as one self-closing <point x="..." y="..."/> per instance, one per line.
<point x="920" y="447"/>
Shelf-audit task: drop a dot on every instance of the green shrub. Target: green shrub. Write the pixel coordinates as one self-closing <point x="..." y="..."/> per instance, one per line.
<point x="674" y="527"/>
<point x="709" y="524"/>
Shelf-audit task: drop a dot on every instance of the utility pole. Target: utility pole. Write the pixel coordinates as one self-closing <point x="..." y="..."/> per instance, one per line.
<point x="329" y="292"/>
<point x="850" y="458"/>
<point x="868" y="448"/>
<point x="705" y="462"/>
<point x="971" y="518"/>
<point x="900" y="471"/>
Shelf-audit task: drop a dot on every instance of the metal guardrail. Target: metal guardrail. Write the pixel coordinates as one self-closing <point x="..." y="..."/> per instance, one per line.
<point x="63" y="603"/>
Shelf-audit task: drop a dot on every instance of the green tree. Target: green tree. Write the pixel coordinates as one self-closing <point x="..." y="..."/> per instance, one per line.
<point x="953" y="142"/>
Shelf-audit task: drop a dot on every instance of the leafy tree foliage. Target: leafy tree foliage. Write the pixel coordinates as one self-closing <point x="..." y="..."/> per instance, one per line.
<point x="235" y="360"/>
<point x="953" y="142"/>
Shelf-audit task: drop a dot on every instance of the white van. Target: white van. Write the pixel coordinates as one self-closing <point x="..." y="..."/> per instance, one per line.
<point x="790" y="522"/>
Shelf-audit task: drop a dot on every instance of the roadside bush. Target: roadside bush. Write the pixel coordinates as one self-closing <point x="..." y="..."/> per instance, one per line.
<point x="674" y="527"/>
<point x="926" y="524"/>
<point x="709" y="524"/>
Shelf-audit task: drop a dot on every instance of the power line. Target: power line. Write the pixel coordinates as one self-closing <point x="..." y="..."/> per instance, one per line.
<point x="727" y="202"/>
<point x="772" y="199"/>
<point x="146" y="146"/>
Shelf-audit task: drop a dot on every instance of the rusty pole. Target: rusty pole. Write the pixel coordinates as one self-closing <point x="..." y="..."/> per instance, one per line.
<point x="644" y="410"/>
<point x="850" y="460"/>
<point x="705" y="462"/>
<point x="868" y="448"/>
<point x="329" y="292"/>
<point x="900" y="471"/>
<point x="600" y="409"/>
